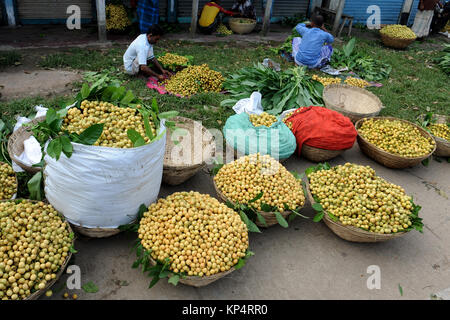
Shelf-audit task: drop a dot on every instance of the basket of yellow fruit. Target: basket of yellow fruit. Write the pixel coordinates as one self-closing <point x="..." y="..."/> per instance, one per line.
<point x="196" y="238"/>
<point x="361" y="206"/>
<point x="393" y="142"/>
<point x="16" y="144"/>
<point x="188" y="148"/>
<point x="241" y="25"/>
<point x="8" y="182"/>
<point x="351" y="101"/>
<point x="174" y="62"/>
<point x="397" y="36"/>
<point x="262" y="184"/>
<point x="438" y="127"/>
<point x="117" y="20"/>
<point x="38" y="268"/>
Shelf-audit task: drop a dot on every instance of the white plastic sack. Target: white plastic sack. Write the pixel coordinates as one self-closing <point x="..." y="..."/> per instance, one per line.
<point x="102" y="187"/>
<point x="250" y="105"/>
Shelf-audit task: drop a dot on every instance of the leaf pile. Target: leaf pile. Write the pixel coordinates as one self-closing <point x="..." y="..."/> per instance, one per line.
<point x="443" y="61"/>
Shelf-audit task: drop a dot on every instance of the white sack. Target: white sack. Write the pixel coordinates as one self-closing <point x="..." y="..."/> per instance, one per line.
<point x="250" y="105"/>
<point x="102" y="187"/>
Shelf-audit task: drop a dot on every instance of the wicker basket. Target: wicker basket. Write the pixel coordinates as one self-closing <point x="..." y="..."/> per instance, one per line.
<point x="319" y="155"/>
<point x="15" y="145"/>
<point x="241" y="28"/>
<point x="95" y="232"/>
<point x="395" y="42"/>
<point x="388" y="159"/>
<point x="196" y="281"/>
<point x="17" y="185"/>
<point x="35" y="295"/>
<point x="442" y="145"/>
<point x="174" y="173"/>
<point x="344" y="99"/>
<point x="351" y="233"/>
<point x="269" y="217"/>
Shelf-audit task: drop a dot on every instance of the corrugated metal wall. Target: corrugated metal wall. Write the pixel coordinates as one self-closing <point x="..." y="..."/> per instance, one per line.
<point x="281" y="8"/>
<point x="51" y="9"/>
<point x="414" y="9"/>
<point x="390" y="10"/>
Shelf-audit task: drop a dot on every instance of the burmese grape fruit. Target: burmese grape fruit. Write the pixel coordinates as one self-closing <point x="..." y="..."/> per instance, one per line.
<point x="34" y="244"/>
<point x="356" y="82"/>
<point x="440" y="130"/>
<point x="263" y="119"/>
<point x="359" y="198"/>
<point x="116" y="122"/>
<point x="116" y="17"/>
<point x="326" y="80"/>
<point x="222" y="29"/>
<point x="396" y="137"/>
<point x="199" y="235"/>
<point x="194" y="79"/>
<point x="173" y="59"/>
<point x="288" y="115"/>
<point x="398" y="31"/>
<point x="8" y="183"/>
<point x="243" y="179"/>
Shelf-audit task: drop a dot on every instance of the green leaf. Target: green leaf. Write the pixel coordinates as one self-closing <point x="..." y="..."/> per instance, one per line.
<point x="90" y="287"/>
<point x="34" y="186"/>
<point x="72" y="249"/>
<point x="154" y="281"/>
<point x="155" y="106"/>
<point x="318" y="216"/>
<point x="135" y="137"/>
<point x="297" y="176"/>
<point x="281" y="220"/>
<point x="400" y="289"/>
<point x="168" y="114"/>
<point x="174" y="279"/>
<point x="54" y="148"/>
<point x="261" y="219"/>
<point x="258" y="196"/>
<point x="67" y="147"/>
<point x="129" y="96"/>
<point x="164" y="274"/>
<point x="265" y="207"/>
<point x="317" y="207"/>
<point x="91" y="134"/>
<point x="50" y="116"/>
<point x="117" y="93"/>
<point x="332" y="216"/>
<point x="85" y="91"/>
<point x="426" y="162"/>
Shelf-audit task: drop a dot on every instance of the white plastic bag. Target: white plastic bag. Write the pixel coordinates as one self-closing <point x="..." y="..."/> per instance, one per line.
<point x="102" y="187"/>
<point x="250" y="105"/>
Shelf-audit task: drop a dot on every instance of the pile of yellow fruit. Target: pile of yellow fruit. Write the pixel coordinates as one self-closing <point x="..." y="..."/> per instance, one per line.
<point x="34" y="244"/>
<point x="285" y="119"/>
<point x="398" y="31"/>
<point x="263" y="119"/>
<point x="116" y="122"/>
<point x="396" y="137"/>
<point x="360" y="83"/>
<point x="440" y="130"/>
<point x="195" y="79"/>
<point x="243" y="179"/>
<point x="198" y="234"/>
<point x="222" y="29"/>
<point x="8" y="182"/>
<point x="326" y="80"/>
<point x="357" y="197"/>
<point x="116" y="17"/>
<point x="173" y="59"/>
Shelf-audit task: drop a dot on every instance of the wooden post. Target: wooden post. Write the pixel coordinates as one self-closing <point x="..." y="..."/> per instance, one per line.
<point x="266" y="22"/>
<point x="194" y="17"/>
<point x="101" y="20"/>
<point x="337" y="19"/>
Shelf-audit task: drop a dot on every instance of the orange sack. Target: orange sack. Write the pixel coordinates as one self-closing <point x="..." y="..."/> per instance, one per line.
<point x="322" y="128"/>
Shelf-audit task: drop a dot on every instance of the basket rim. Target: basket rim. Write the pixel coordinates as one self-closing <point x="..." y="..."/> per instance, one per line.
<point x="396" y="39"/>
<point x="360" y="121"/>
<point x="38" y="293"/>
<point x="353" y="88"/>
<point x="356" y="230"/>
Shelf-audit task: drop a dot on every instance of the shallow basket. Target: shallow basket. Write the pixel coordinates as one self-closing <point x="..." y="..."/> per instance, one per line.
<point x="269" y="217"/>
<point x="388" y="159"/>
<point x="319" y="155"/>
<point x="241" y="28"/>
<point x="395" y="42"/>
<point x="351" y="233"/>
<point x="17" y="185"/>
<point x="442" y="145"/>
<point x="343" y="97"/>
<point x="35" y="295"/>
<point x="174" y="173"/>
<point x="15" y="145"/>
<point x="196" y="281"/>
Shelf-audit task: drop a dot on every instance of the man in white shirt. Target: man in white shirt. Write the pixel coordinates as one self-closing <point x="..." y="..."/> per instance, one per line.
<point x="141" y="50"/>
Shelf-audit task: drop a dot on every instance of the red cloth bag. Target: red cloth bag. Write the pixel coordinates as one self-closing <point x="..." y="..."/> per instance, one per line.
<point x="322" y="128"/>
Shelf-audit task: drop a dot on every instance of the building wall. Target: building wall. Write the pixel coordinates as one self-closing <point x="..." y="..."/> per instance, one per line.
<point x="52" y="11"/>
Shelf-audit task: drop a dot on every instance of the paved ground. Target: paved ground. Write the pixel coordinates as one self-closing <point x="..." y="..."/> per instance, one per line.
<point x="305" y="261"/>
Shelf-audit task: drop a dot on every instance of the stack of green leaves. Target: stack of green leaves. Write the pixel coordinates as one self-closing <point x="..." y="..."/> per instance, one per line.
<point x="443" y="60"/>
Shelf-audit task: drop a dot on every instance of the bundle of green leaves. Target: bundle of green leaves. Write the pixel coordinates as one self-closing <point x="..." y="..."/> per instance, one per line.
<point x="443" y="60"/>
<point x="280" y="91"/>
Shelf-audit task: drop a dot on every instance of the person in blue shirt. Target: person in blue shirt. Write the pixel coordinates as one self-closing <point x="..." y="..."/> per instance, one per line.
<point x="313" y="49"/>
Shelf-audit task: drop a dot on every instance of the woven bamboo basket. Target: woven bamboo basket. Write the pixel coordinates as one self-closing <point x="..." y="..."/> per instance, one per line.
<point x="35" y="295"/>
<point x="196" y="281"/>
<point x="95" y="232"/>
<point x="175" y="173"/>
<point x="395" y="42"/>
<point x="351" y="233"/>
<point x="388" y="159"/>
<point x="319" y="155"/>
<point x="15" y="145"/>
<point x="17" y="186"/>
<point x="353" y="102"/>
<point x="442" y="145"/>
<point x="269" y="217"/>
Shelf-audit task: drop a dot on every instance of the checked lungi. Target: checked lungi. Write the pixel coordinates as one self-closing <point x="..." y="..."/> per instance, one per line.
<point x="148" y="14"/>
